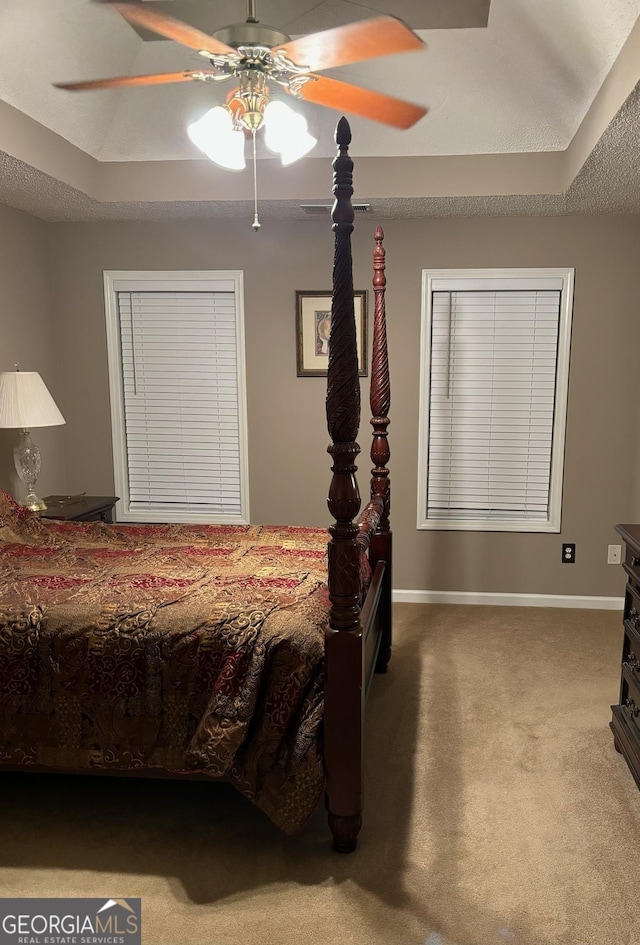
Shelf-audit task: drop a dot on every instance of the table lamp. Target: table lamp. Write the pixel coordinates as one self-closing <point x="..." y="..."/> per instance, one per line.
<point x="25" y="402"/>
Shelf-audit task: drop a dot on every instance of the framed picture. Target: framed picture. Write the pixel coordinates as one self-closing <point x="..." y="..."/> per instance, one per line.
<point x="313" y="325"/>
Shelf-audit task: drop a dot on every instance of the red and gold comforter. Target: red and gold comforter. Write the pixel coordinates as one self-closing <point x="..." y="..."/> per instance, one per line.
<point x="179" y="647"/>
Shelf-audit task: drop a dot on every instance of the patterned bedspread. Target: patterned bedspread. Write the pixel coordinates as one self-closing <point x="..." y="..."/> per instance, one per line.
<point x="181" y="647"/>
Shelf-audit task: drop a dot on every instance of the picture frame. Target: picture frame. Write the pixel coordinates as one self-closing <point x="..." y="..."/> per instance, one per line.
<point x="313" y="321"/>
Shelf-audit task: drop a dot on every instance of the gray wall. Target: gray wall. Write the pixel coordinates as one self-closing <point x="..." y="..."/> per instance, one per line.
<point x="289" y="469"/>
<point x="600" y="486"/>
<point x="28" y="336"/>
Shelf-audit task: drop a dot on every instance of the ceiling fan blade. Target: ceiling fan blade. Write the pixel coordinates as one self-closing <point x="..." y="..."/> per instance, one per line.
<point x="173" y="29"/>
<point x="351" y="98"/>
<point x="159" y="78"/>
<point x="355" y="42"/>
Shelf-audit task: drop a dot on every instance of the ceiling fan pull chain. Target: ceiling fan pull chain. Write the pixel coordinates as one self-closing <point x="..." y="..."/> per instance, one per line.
<point x="256" y="221"/>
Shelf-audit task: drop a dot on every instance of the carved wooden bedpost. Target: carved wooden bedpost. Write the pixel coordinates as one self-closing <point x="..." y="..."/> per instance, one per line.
<point x="380" y="401"/>
<point x="344" y="698"/>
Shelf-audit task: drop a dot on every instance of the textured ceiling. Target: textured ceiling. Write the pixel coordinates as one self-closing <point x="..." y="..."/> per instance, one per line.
<point x="524" y="83"/>
<point x="512" y="79"/>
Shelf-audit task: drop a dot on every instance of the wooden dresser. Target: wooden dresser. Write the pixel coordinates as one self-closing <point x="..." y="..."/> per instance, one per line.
<point x="625" y="723"/>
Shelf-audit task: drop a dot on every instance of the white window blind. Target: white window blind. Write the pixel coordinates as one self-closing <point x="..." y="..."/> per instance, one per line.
<point x="180" y="425"/>
<point x="492" y="415"/>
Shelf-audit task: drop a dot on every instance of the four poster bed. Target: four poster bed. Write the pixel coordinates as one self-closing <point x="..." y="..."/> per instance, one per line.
<point x="214" y="651"/>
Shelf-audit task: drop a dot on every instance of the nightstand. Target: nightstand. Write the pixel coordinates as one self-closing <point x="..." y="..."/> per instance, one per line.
<point x="85" y="508"/>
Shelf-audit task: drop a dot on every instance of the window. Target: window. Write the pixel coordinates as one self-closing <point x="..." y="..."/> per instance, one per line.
<point x="495" y="368"/>
<point x="178" y="400"/>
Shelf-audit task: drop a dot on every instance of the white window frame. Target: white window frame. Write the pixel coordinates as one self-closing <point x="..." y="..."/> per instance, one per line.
<point x="147" y="280"/>
<point x="488" y="279"/>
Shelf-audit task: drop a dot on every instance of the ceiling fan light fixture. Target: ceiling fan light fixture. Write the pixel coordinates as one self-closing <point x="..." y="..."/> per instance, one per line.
<point x="248" y="102"/>
<point x="214" y="134"/>
<point x="286" y="133"/>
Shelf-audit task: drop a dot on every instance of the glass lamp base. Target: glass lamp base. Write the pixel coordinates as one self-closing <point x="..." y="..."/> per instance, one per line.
<point x="31" y="501"/>
<point x="27" y="461"/>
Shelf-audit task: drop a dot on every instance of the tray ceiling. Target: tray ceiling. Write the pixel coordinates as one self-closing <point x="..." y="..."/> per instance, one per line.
<point x="519" y="93"/>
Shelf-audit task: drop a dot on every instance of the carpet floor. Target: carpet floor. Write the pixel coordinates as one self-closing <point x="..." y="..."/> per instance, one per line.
<point x="497" y="810"/>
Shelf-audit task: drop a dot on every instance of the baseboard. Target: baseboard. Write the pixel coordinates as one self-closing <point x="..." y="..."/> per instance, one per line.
<point x="508" y="600"/>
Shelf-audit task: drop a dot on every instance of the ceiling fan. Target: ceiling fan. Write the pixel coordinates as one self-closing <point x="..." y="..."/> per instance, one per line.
<point x="258" y="57"/>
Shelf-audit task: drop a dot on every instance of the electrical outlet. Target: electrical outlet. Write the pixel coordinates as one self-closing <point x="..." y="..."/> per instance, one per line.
<point x="568" y="553"/>
<point x="614" y="554"/>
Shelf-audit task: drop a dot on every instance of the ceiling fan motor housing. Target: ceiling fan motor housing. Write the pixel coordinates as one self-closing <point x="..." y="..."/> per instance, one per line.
<point x="251" y="34"/>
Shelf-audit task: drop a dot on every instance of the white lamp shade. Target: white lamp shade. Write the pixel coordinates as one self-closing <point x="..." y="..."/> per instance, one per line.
<point x="215" y="134"/>
<point x="286" y="132"/>
<point x="25" y="401"/>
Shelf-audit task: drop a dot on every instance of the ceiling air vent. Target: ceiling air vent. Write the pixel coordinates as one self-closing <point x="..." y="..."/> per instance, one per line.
<point x="325" y="208"/>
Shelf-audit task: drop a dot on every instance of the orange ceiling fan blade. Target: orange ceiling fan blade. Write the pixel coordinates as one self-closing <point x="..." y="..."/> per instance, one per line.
<point x="173" y="29"/>
<point x="159" y="78"/>
<point x="358" y="101"/>
<point x="355" y="42"/>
